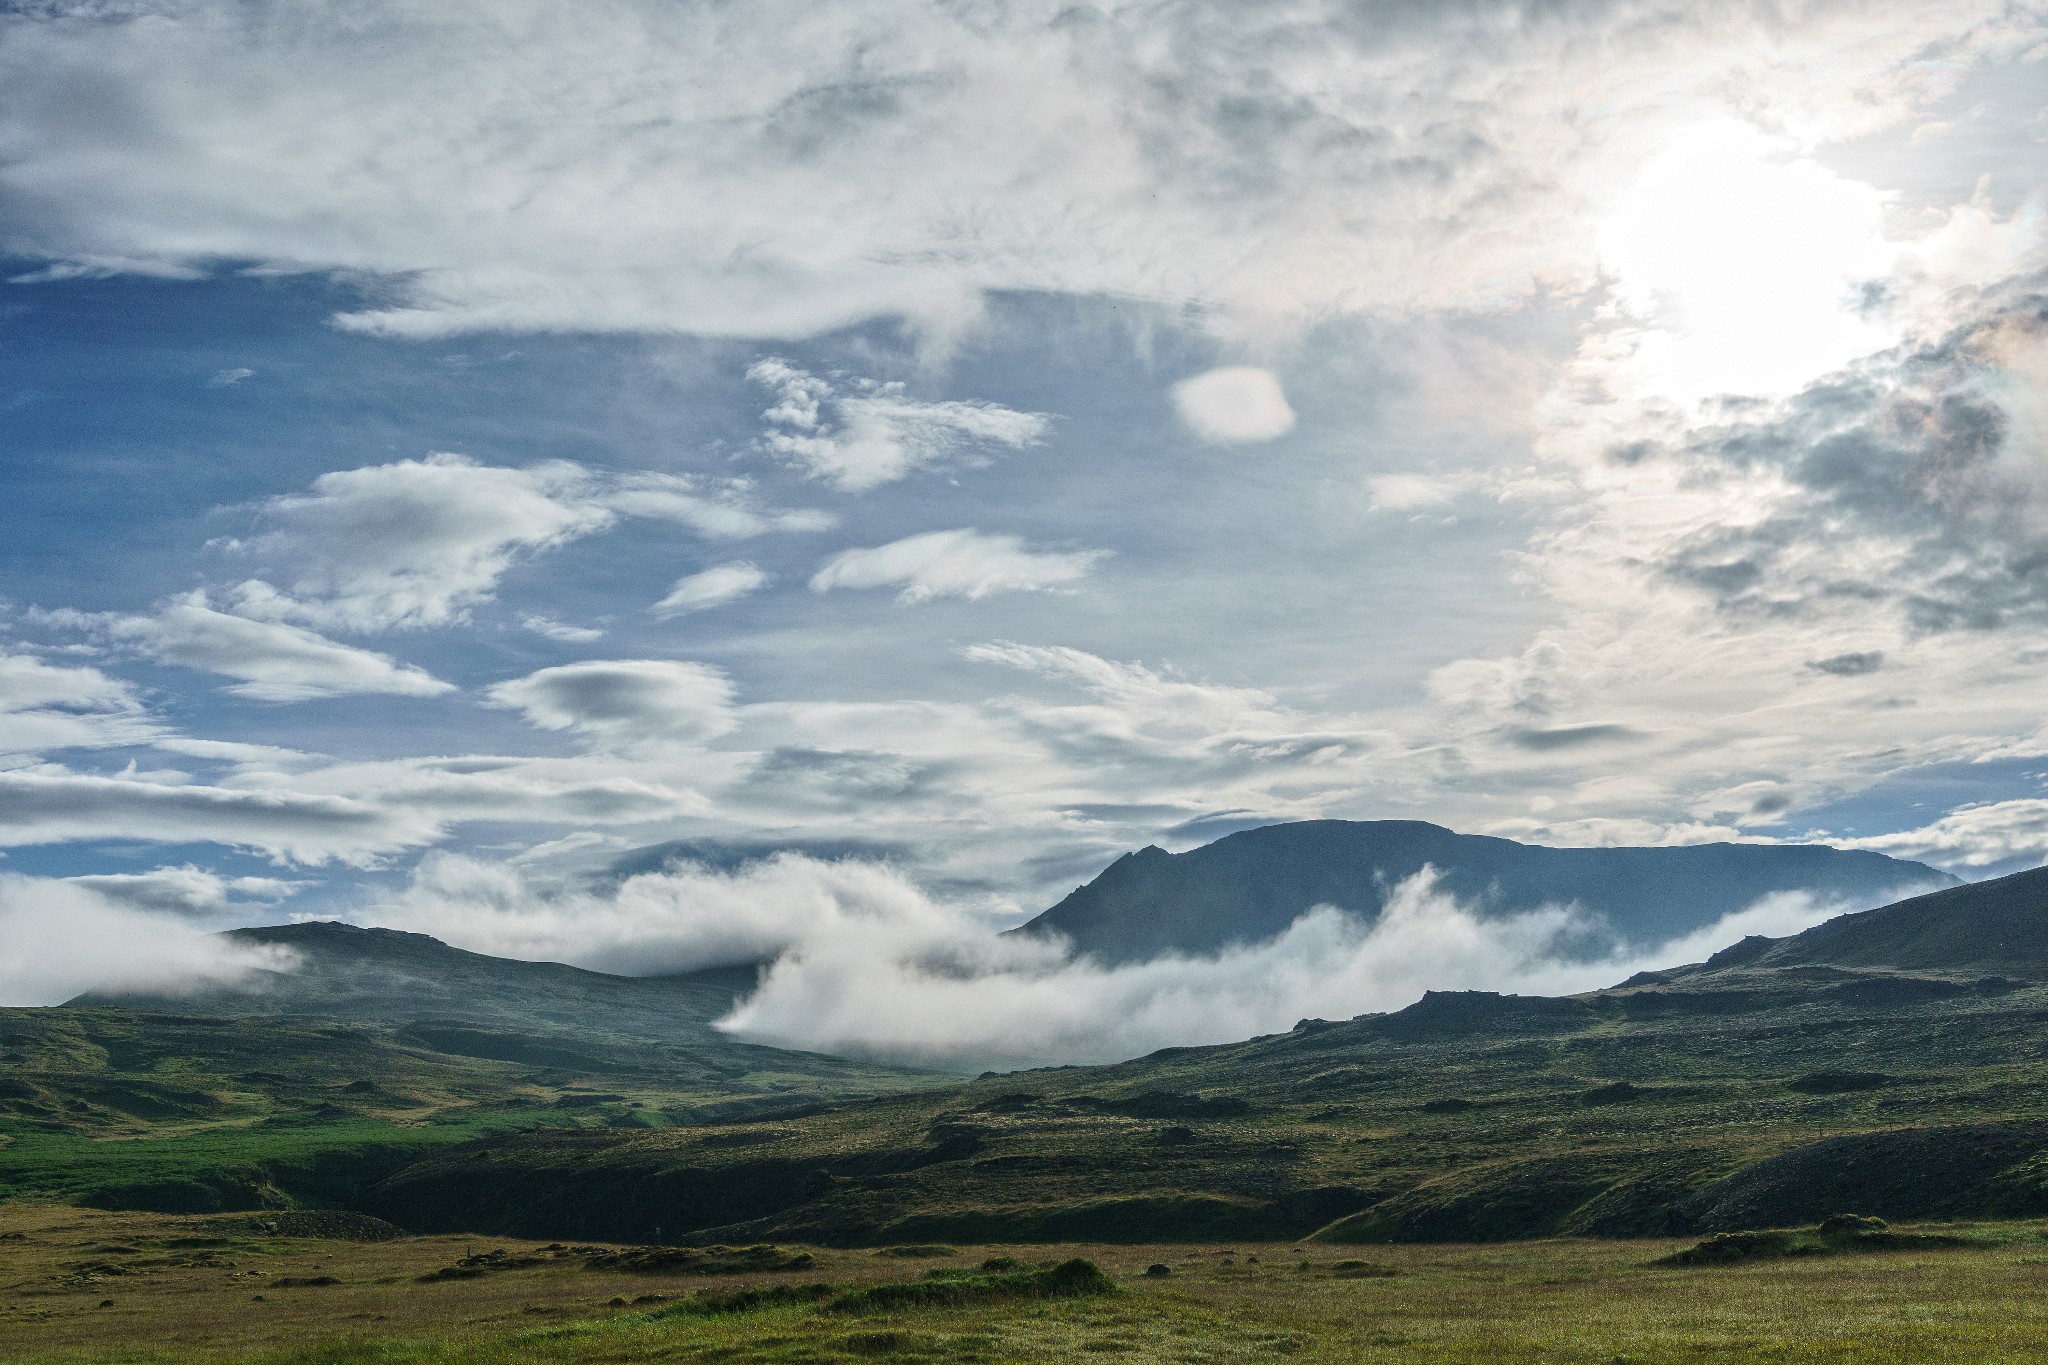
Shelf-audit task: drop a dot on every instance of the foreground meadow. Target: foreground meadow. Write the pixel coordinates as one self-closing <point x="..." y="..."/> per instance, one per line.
<point x="81" y="1285"/>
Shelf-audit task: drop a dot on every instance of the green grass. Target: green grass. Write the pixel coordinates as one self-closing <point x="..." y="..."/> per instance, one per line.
<point x="1971" y="1297"/>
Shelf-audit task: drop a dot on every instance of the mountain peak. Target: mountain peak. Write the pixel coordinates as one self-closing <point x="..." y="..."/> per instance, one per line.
<point x="1249" y="886"/>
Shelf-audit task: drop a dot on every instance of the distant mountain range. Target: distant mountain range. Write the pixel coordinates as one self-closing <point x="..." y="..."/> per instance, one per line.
<point x="1250" y="886"/>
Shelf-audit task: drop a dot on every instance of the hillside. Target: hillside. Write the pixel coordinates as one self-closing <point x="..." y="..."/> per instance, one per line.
<point x="387" y="976"/>
<point x="473" y="1005"/>
<point x="1252" y="885"/>
<point x="1993" y="926"/>
<point x="1731" y="1095"/>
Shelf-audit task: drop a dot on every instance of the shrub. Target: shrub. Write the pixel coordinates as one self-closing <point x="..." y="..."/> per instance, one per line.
<point x="1069" y="1279"/>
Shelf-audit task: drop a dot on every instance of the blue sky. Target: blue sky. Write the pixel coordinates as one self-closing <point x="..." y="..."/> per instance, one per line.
<point x="992" y="438"/>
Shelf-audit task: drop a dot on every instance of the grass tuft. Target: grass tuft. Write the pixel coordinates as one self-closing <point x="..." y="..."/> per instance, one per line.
<point x="1070" y="1279"/>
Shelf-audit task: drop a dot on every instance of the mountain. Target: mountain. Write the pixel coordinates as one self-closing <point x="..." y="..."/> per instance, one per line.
<point x="1888" y="1063"/>
<point x="1250" y="886"/>
<point x="376" y="1048"/>
<point x="1991" y="926"/>
<point x="540" y="1013"/>
<point x="387" y="976"/>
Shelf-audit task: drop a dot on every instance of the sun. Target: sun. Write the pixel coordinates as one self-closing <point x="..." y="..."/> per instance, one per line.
<point x="1738" y="268"/>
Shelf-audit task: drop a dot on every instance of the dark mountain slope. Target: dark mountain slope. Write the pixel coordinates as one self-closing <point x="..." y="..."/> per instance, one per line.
<point x="387" y="976"/>
<point x="1251" y="886"/>
<point x="1995" y="926"/>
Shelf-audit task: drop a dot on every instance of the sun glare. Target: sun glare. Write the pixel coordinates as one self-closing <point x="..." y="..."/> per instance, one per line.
<point x="1739" y="269"/>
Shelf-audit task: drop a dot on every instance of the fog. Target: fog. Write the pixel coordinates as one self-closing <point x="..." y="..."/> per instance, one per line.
<point x="862" y="962"/>
<point x="58" y="939"/>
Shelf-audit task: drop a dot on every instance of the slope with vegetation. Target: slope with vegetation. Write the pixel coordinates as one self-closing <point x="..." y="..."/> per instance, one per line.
<point x="380" y="1047"/>
<point x="1780" y="1082"/>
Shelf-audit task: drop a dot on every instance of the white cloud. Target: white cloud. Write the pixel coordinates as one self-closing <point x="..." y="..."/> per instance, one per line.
<point x="963" y="563"/>
<point x="191" y="891"/>
<point x="54" y="706"/>
<point x="625" y="704"/>
<point x="1137" y="690"/>
<point x="725" y="513"/>
<point x="793" y="168"/>
<point x="876" y="433"/>
<point x="48" y="805"/>
<point x="420" y="542"/>
<point x="658" y="922"/>
<point x="60" y="939"/>
<point x="223" y="379"/>
<point x="1234" y="405"/>
<point x="910" y="990"/>
<point x="1971" y="836"/>
<point x="560" y="630"/>
<point x="416" y="543"/>
<point x="1409" y="492"/>
<point x="713" y="587"/>
<point x="276" y="662"/>
<point x="866" y="963"/>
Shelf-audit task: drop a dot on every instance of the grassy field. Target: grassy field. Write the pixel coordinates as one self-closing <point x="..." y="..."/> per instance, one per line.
<point x="81" y="1285"/>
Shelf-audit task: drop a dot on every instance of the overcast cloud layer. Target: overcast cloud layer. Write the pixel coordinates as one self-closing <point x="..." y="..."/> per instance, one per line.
<point x="449" y="452"/>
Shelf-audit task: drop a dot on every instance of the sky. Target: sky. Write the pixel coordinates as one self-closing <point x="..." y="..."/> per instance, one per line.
<point x="642" y="483"/>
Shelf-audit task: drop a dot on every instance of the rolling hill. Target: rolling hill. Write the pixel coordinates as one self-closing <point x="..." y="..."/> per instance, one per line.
<point x="1250" y="886"/>
<point x="1780" y="1082"/>
<point x="386" y="976"/>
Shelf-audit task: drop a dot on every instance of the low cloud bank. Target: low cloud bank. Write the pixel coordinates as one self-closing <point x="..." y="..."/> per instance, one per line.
<point x="59" y="939"/>
<point x="864" y="963"/>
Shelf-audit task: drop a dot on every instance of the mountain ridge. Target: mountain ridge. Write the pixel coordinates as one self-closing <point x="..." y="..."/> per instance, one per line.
<point x="1249" y="886"/>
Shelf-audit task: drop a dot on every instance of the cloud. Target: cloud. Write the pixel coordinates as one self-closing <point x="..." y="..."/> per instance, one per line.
<point x="1852" y="664"/>
<point x="964" y="997"/>
<point x="560" y="630"/>
<point x="865" y="963"/>
<point x="1912" y="480"/>
<point x="625" y="704"/>
<point x="59" y="939"/>
<point x="963" y="563"/>
<point x="791" y="169"/>
<point x="713" y="587"/>
<point x="228" y="378"/>
<point x="654" y="923"/>
<point x="415" y="543"/>
<point x="1410" y="492"/>
<point x="48" y="806"/>
<point x="1971" y="836"/>
<point x="277" y="662"/>
<point x="47" y="706"/>
<point x="1135" y="689"/>
<point x="1233" y="406"/>
<point x="191" y="891"/>
<point x="420" y="542"/>
<point x="876" y="433"/>
<point x="725" y="513"/>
